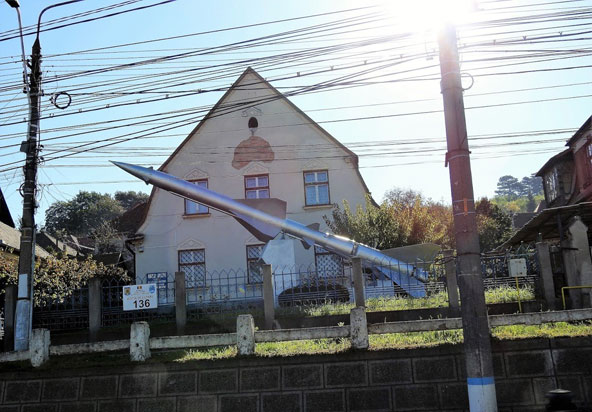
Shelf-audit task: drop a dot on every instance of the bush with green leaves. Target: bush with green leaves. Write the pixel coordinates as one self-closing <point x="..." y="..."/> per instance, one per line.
<point x="57" y="277"/>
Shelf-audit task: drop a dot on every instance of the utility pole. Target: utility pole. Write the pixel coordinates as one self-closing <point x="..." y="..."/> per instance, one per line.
<point x="477" y="343"/>
<point x="24" y="304"/>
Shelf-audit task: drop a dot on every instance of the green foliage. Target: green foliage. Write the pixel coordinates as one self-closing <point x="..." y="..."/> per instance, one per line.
<point x="494" y="225"/>
<point x="56" y="277"/>
<point x="81" y="215"/>
<point x="511" y="188"/>
<point x="518" y="205"/>
<point x="404" y="218"/>
<point x="129" y="199"/>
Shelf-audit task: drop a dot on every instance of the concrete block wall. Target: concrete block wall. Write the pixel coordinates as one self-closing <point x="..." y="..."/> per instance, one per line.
<point x="402" y="380"/>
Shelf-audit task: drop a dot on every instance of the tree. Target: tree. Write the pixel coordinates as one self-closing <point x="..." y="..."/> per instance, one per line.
<point x="404" y="218"/>
<point x="129" y="199"/>
<point x="509" y="186"/>
<point x="532" y="184"/>
<point x="493" y="224"/>
<point x="81" y="215"/>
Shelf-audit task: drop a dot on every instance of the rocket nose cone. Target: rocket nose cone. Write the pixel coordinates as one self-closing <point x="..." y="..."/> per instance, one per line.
<point x="138" y="171"/>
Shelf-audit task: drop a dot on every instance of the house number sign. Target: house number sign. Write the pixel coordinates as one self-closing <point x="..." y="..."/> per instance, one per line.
<point x="138" y="297"/>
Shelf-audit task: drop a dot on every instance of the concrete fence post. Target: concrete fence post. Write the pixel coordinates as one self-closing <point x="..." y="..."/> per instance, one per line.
<point x="358" y="282"/>
<point x="268" y="297"/>
<point x="9" y="309"/>
<point x="546" y="275"/>
<point x="39" y="347"/>
<point x="94" y="308"/>
<point x="140" y="341"/>
<point x="571" y="274"/>
<point x="245" y="335"/>
<point x="451" y="281"/>
<point x="180" y="302"/>
<point x="358" y="328"/>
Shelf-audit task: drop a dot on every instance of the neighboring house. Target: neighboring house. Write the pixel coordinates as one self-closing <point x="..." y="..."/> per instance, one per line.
<point x="567" y="176"/>
<point x="253" y="144"/>
<point x="52" y="244"/>
<point x="10" y="243"/>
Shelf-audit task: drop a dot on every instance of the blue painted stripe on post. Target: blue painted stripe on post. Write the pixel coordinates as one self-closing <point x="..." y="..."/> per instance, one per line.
<point x="487" y="380"/>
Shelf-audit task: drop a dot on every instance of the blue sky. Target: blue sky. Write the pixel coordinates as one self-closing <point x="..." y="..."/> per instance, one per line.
<point x="515" y="120"/>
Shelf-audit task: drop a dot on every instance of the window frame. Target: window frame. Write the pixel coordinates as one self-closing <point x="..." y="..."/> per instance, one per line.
<point x="588" y="165"/>
<point x="199" y="205"/>
<point x="256" y="189"/>
<point x="316" y="183"/>
<point x="551" y="182"/>
<point x="180" y="266"/>
<point x="251" y="260"/>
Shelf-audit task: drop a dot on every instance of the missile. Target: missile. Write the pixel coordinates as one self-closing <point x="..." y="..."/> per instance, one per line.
<point x="266" y="218"/>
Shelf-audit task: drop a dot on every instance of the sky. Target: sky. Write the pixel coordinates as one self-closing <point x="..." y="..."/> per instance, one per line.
<point x="367" y="72"/>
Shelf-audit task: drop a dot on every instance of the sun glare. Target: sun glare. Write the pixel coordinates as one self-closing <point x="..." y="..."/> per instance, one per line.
<point x="428" y="15"/>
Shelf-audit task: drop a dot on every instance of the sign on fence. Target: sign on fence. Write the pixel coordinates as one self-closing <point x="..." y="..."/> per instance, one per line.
<point x="137" y="297"/>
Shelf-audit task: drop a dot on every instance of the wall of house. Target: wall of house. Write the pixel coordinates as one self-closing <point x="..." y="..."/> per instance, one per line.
<point x="297" y="145"/>
<point x="401" y="380"/>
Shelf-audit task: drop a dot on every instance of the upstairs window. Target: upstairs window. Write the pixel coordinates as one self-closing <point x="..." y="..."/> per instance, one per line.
<point x="254" y="264"/>
<point x="316" y="188"/>
<point x="589" y="159"/>
<point x="194" y="208"/>
<point x="257" y="187"/>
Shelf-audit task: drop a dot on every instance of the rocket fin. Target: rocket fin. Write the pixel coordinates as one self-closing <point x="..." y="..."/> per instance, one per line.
<point x="261" y="230"/>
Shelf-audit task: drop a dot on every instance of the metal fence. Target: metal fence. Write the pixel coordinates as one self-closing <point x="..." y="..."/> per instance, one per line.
<point x="112" y="313"/>
<point x="67" y="313"/>
<point x="223" y="291"/>
<point x="496" y="272"/>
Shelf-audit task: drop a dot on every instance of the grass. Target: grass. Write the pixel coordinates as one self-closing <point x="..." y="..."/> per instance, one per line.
<point x="500" y="294"/>
<point x="389" y="341"/>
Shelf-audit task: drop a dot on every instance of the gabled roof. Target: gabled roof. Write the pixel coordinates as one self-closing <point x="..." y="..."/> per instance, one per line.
<point x="586" y="126"/>
<point x="5" y="216"/>
<point x="279" y="95"/>
<point x="11" y="237"/>
<point x="565" y="155"/>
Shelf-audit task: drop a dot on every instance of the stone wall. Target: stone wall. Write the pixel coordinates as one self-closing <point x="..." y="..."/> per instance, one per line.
<point x="403" y="380"/>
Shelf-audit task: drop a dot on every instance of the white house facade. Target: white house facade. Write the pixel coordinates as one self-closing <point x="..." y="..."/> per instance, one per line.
<point x="254" y="143"/>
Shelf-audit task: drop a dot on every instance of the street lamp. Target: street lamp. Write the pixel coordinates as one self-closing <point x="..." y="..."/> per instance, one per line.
<point x="26" y="269"/>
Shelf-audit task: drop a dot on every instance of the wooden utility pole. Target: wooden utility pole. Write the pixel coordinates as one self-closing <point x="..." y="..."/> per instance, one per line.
<point x="477" y="344"/>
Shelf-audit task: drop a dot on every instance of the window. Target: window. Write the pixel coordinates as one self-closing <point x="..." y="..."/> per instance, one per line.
<point x="254" y="264"/>
<point x="316" y="188"/>
<point x="552" y="184"/>
<point x="194" y="208"/>
<point x="193" y="264"/>
<point x="257" y="187"/>
<point x="589" y="160"/>
<point x="329" y="265"/>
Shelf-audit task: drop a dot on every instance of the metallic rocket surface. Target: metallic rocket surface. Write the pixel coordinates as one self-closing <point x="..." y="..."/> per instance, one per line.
<point x="265" y="218"/>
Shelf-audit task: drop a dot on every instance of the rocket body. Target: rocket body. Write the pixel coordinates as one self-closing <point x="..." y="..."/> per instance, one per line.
<point x="268" y="224"/>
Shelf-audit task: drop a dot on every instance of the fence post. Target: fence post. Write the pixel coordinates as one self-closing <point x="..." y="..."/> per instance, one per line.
<point x="571" y="273"/>
<point x="140" y="341"/>
<point x="358" y="282"/>
<point x="39" y="347"/>
<point x="358" y="328"/>
<point x="546" y="275"/>
<point x="9" y="309"/>
<point x="451" y="282"/>
<point x="578" y="233"/>
<point x="180" y="302"/>
<point x="268" y="297"/>
<point x="245" y="335"/>
<point x="94" y="308"/>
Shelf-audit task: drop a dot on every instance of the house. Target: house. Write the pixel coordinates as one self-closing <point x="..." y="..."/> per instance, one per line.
<point x="567" y="176"/>
<point x="567" y="183"/>
<point x="253" y="144"/>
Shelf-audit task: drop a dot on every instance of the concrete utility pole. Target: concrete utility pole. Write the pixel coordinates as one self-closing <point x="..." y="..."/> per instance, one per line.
<point x="477" y="344"/>
<point x="24" y="304"/>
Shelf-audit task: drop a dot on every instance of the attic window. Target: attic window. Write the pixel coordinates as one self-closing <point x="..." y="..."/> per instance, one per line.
<point x="253" y="123"/>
